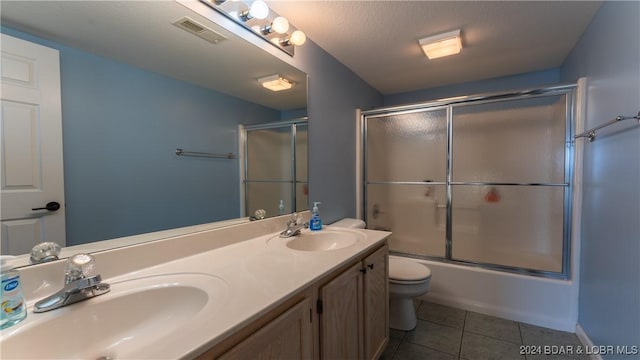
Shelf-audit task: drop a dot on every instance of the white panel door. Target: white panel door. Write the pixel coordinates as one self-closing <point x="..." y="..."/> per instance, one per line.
<point x="31" y="134"/>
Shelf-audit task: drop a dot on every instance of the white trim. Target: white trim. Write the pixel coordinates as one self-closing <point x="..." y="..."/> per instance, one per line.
<point x="358" y="183"/>
<point x="242" y="138"/>
<point x="586" y="341"/>
<point x="578" y="151"/>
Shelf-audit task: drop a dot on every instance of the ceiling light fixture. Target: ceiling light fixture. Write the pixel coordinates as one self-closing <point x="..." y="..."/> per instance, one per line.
<point x="440" y="45"/>
<point x="275" y="83"/>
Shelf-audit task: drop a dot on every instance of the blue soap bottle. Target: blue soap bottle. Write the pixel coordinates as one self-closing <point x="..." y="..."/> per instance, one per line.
<point x="316" y="223"/>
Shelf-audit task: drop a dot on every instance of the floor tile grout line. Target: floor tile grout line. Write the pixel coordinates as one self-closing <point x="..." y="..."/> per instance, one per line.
<point x="464" y="325"/>
<point x="495" y="338"/>
<point x="427" y="347"/>
<point x="445" y="325"/>
<point x="526" y="357"/>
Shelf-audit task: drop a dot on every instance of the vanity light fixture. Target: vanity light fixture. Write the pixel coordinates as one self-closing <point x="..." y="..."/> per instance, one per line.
<point x="265" y="23"/>
<point x="258" y="9"/>
<point x="440" y="45"/>
<point x="279" y="25"/>
<point x="275" y="83"/>
<point x="297" y="38"/>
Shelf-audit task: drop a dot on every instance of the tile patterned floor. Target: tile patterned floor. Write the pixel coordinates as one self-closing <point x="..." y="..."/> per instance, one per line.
<point x="446" y="333"/>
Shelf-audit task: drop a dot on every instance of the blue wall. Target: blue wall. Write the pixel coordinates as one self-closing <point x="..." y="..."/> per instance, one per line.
<point x="608" y="54"/>
<point x="121" y="126"/>
<point x="334" y="94"/>
<point x="513" y="82"/>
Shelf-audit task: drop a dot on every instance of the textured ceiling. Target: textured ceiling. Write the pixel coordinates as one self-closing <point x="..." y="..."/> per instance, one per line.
<point x="378" y="40"/>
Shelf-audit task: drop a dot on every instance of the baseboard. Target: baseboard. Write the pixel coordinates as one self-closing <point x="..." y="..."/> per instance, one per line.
<point x="586" y="341"/>
<point x="505" y="313"/>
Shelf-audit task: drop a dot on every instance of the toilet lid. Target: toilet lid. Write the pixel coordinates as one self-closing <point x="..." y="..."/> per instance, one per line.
<point x="407" y="270"/>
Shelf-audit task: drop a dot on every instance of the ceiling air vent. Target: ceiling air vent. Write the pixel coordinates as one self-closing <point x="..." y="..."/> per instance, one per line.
<point x="199" y="30"/>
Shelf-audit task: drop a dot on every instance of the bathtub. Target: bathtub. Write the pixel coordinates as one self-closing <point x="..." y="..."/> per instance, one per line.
<point x="533" y="300"/>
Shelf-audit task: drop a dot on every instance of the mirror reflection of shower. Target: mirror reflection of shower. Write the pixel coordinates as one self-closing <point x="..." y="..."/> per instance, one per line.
<point x="274" y="170"/>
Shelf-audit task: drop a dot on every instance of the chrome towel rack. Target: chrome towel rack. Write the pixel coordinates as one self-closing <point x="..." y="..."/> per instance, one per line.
<point x="181" y="152"/>
<point x="591" y="133"/>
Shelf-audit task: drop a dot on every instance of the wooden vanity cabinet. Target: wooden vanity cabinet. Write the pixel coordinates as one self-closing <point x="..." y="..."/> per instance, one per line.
<point x="376" y="303"/>
<point x="353" y="310"/>
<point x="342" y="316"/>
<point x="289" y="336"/>
<point x="285" y="332"/>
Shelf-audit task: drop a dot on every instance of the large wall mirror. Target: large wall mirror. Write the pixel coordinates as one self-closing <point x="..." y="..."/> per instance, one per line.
<point x="134" y="88"/>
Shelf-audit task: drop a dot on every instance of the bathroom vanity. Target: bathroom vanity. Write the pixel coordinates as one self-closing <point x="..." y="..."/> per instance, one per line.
<point x="348" y="319"/>
<point x="231" y="293"/>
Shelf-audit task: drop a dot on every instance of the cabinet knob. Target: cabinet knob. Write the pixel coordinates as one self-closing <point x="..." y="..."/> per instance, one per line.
<point x="370" y="266"/>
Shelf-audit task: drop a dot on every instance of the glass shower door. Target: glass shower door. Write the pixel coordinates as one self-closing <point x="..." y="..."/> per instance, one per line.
<point x="509" y="182"/>
<point x="301" y="171"/>
<point x="269" y="172"/>
<point x="276" y="168"/>
<point x="484" y="180"/>
<point x="405" y="172"/>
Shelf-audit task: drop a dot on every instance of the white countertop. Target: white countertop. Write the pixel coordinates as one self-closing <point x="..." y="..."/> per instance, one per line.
<point x="256" y="277"/>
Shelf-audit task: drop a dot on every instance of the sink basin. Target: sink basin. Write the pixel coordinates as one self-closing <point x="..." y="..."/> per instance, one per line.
<point x="325" y="240"/>
<point x="136" y="317"/>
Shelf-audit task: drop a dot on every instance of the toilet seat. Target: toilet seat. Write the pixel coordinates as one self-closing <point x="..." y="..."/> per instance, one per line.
<point x="404" y="282"/>
<point x="402" y="271"/>
<point x="408" y="279"/>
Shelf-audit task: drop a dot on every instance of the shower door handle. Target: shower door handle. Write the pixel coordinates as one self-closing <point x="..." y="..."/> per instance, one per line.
<point x="375" y="211"/>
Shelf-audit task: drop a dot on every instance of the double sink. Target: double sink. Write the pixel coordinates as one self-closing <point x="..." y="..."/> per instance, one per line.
<point x="143" y="317"/>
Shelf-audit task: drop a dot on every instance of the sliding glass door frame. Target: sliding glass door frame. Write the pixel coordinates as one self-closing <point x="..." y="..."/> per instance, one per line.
<point x="294" y="181"/>
<point x="450" y="104"/>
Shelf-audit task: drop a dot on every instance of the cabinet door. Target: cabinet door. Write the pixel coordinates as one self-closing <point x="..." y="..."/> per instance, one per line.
<point x="341" y="318"/>
<point x="376" y="300"/>
<point x="289" y="336"/>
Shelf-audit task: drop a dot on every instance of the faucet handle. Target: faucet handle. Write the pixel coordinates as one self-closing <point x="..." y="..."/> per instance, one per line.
<point x="78" y="266"/>
<point x="43" y="252"/>
<point x="294" y="219"/>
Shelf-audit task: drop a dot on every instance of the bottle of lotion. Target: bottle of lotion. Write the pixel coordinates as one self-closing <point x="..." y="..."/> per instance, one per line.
<point x="14" y="308"/>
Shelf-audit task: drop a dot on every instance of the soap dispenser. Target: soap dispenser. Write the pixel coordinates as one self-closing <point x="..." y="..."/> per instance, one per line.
<point x="316" y="223"/>
<point x="14" y="308"/>
<point x="281" y="208"/>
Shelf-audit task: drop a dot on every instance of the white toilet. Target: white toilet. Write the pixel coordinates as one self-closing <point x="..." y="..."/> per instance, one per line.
<point x="407" y="279"/>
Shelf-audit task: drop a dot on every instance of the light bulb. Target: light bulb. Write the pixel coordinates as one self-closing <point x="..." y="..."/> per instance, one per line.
<point x="280" y="25"/>
<point x="259" y="9"/>
<point x="297" y="38"/>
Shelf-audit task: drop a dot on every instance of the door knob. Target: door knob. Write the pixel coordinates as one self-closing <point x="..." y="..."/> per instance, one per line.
<point x="51" y="206"/>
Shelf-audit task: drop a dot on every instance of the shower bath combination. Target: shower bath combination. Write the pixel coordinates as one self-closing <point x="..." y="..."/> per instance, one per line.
<point x="498" y="188"/>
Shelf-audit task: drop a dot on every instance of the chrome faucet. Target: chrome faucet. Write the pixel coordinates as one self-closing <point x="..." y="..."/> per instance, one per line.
<point x="78" y="286"/>
<point x="294" y="226"/>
